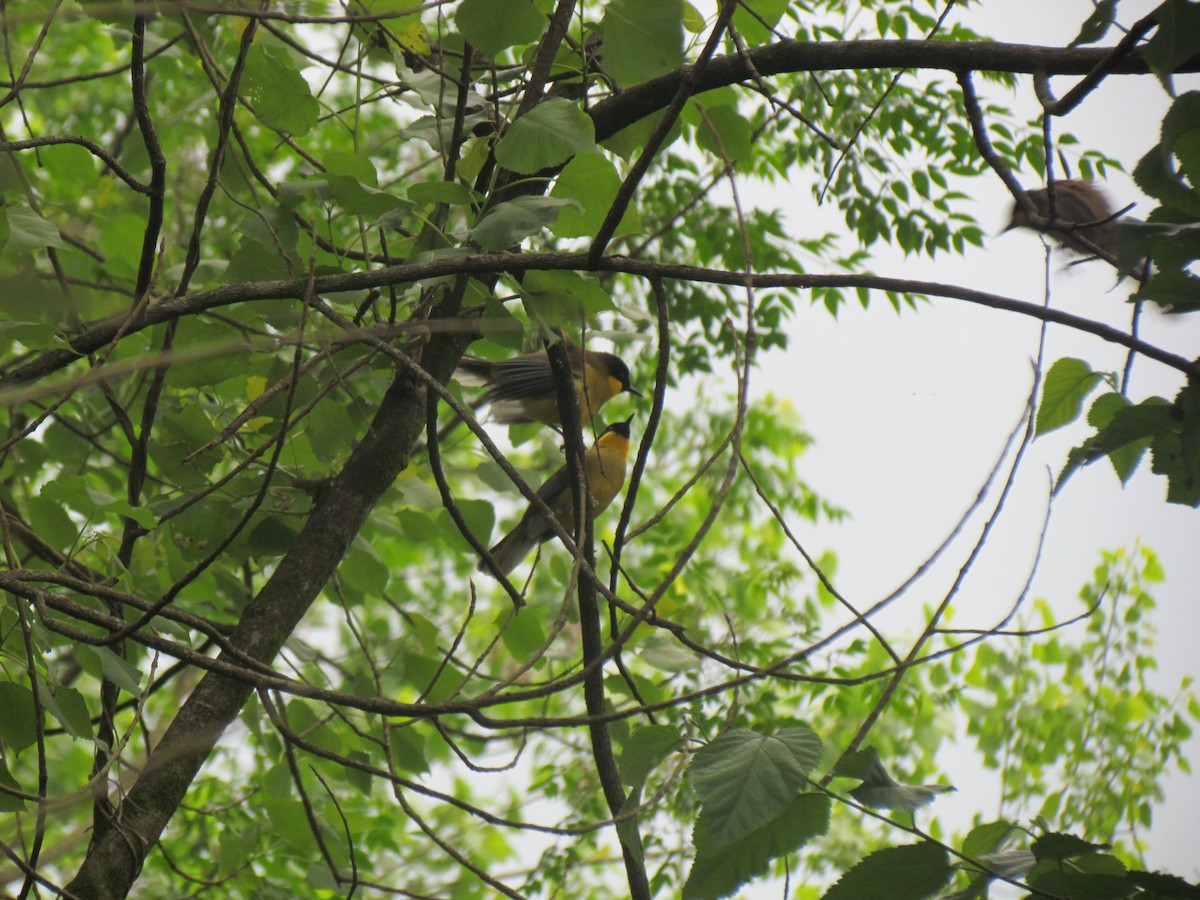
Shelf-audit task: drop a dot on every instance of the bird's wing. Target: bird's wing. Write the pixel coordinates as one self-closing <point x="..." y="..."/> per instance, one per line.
<point x="555" y="485"/>
<point x="1079" y="209"/>
<point x="521" y="378"/>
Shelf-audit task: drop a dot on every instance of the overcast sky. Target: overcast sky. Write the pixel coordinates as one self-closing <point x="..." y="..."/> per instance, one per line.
<point x="911" y="410"/>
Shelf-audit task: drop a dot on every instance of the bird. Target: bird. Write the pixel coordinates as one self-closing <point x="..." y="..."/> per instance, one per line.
<point x="1077" y="203"/>
<point x="521" y="389"/>
<point x="604" y="467"/>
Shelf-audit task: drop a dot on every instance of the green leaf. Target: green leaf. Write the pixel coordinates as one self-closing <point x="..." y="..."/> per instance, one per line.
<point x="416" y="525"/>
<point x="629" y="141"/>
<point x="642" y="40"/>
<point x="106" y="503"/>
<point x="271" y="537"/>
<point x="449" y="192"/>
<point x="726" y="133"/>
<point x="51" y="521"/>
<point x="359" y="199"/>
<point x="279" y="94"/>
<point x="429" y="676"/>
<point x="1063" y="846"/>
<point x="1181" y="465"/>
<point x="18" y="728"/>
<point x="665" y="653"/>
<point x="1123" y="433"/>
<point x="363" y="571"/>
<point x="68" y="707"/>
<point x="878" y="789"/>
<point x="1067" y="383"/>
<point x="9" y="803"/>
<point x="29" y="231"/>
<point x="1183" y="118"/>
<point x="754" y="19"/>
<point x="493" y="25"/>
<point x="591" y="181"/>
<point x="1096" y="877"/>
<point x="1160" y="886"/>
<point x="1174" y="289"/>
<point x="911" y="872"/>
<point x="644" y="750"/>
<point x="1186" y="473"/>
<point x="408" y="749"/>
<point x="1097" y="24"/>
<point x="693" y="19"/>
<point x="1176" y="38"/>
<point x="1147" y="419"/>
<point x="720" y="872"/>
<point x="1125" y="458"/>
<point x="515" y="220"/>
<point x="1187" y="151"/>
<point x="266" y="243"/>
<point x="1155" y="174"/>
<point x="288" y="822"/>
<point x="563" y="298"/>
<point x="981" y="845"/>
<point x="121" y="243"/>
<point x="353" y="165"/>
<point x="523" y="634"/>
<point x="986" y="838"/>
<point x="119" y="671"/>
<point x="480" y="516"/>
<point x="547" y="136"/>
<point x="744" y="779"/>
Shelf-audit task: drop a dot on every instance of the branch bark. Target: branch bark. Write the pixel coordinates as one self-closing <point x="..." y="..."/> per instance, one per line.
<point x="116" y="854"/>
<point x="784" y="57"/>
<point x="114" y="859"/>
<point x="493" y="263"/>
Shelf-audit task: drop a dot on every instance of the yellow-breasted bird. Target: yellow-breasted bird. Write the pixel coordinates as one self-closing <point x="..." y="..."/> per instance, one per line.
<point x="604" y="466"/>
<point x="1078" y="203"/>
<point x="521" y="389"/>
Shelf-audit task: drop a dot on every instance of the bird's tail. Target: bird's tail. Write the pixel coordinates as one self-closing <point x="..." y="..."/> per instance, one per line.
<point x="511" y="550"/>
<point x="474" y="371"/>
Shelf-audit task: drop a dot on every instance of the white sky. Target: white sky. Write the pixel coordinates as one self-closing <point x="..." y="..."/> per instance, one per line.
<point x="910" y="410"/>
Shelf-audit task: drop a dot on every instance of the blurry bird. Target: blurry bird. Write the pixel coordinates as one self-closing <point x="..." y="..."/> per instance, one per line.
<point x="604" y="466"/>
<point x="521" y="389"/>
<point x="1076" y="203"/>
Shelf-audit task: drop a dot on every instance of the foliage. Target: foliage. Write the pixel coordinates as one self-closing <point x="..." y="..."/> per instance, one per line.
<point x="244" y="650"/>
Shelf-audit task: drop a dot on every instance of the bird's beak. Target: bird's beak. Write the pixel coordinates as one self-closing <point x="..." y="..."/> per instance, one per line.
<point x="632" y="390"/>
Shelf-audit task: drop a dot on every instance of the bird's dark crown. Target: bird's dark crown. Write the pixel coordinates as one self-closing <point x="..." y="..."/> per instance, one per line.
<point x="617" y="368"/>
<point x="621" y="428"/>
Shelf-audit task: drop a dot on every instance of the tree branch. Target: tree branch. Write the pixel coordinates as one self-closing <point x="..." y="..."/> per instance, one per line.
<point x="107" y="330"/>
<point x="784" y="57"/>
<point x="112" y="863"/>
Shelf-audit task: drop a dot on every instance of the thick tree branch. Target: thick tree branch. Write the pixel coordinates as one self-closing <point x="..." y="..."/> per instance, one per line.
<point x="784" y="57"/>
<point x="112" y="863"/>
<point x="102" y="333"/>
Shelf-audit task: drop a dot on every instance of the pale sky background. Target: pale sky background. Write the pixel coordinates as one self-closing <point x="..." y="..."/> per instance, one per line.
<point x="910" y="410"/>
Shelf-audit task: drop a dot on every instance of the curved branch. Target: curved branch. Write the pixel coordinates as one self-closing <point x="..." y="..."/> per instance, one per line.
<point x="90" y="146"/>
<point x="114" y="859"/>
<point x="107" y="330"/>
<point x="784" y="57"/>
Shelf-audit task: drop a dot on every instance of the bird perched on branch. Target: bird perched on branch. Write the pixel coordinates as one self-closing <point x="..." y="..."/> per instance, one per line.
<point x="604" y="468"/>
<point x="521" y="389"/>
<point x="1083" y="211"/>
